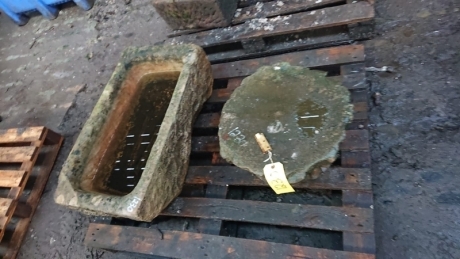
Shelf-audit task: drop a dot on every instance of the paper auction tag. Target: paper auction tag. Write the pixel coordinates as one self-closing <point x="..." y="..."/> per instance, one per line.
<point x="276" y="178"/>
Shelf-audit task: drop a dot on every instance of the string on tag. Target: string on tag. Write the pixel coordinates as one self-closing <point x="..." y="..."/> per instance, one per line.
<point x="270" y="157"/>
<point x="274" y="172"/>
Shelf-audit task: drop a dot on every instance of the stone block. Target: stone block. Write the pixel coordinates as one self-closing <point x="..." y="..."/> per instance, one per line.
<point x="192" y="14"/>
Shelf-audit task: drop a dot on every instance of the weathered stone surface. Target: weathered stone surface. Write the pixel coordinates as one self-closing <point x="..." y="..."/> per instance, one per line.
<point x="82" y="182"/>
<point x="190" y="14"/>
<point x="301" y="112"/>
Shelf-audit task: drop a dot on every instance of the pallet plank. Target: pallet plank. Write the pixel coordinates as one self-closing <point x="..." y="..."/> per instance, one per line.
<point x="354" y="81"/>
<point x="306" y="40"/>
<point x="16" y="154"/>
<point x="358" y="242"/>
<point x="283" y="214"/>
<point x="205" y="144"/>
<point x="360" y="159"/>
<point x="222" y="95"/>
<point x="362" y="242"/>
<point x="360" y="111"/>
<point x="5" y="205"/>
<point x="11" y="178"/>
<point x="308" y="58"/>
<point x="355" y="140"/>
<point x="304" y="21"/>
<point x="178" y="244"/>
<point x="21" y="134"/>
<point x="207" y="120"/>
<point x="271" y="9"/>
<point x="335" y="178"/>
<point x="212" y="226"/>
<point x="245" y="3"/>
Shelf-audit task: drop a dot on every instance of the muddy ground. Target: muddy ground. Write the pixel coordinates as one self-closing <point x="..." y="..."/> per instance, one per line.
<point x="52" y="73"/>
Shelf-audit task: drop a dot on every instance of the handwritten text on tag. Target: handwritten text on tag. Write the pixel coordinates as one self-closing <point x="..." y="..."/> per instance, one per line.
<point x="276" y="178"/>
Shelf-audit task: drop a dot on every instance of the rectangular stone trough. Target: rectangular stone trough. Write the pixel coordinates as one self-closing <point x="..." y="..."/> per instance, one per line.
<point x="131" y="157"/>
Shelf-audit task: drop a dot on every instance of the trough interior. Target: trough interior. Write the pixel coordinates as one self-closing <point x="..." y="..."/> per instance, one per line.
<point x="119" y="156"/>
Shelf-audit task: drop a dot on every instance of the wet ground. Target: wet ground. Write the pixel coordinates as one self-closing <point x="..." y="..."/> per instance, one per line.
<point x="416" y="129"/>
<point x="52" y="73"/>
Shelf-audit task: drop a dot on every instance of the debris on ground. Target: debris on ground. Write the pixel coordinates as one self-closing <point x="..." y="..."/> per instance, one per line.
<point x="376" y="97"/>
<point x="382" y="69"/>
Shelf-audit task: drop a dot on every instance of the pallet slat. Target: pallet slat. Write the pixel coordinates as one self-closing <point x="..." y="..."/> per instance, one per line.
<point x="308" y="58"/>
<point x="21" y="134"/>
<point x="212" y="226"/>
<point x="207" y="120"/>
<point x="307" y="40"/>
<point x="205" y="144"/>
<point x="16" y="154"/>
<point x="5" y="205"/>
<point x="358" y="242"/>
<point x="11" y="178"/>
<point x="178" y="244"/>
<point x="282" y="214"/>
<point x="271" y="9"/>
<point x="304" y="21"/>
<point x="222" y="95"/>
<point x="355" y="140"/>
<point x="334" y="179"/>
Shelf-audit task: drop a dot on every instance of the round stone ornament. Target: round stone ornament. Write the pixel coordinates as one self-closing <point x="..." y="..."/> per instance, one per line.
<point x="302" y="113"/>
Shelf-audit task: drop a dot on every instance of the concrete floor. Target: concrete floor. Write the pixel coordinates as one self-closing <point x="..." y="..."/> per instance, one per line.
<point x="52" y="73"/>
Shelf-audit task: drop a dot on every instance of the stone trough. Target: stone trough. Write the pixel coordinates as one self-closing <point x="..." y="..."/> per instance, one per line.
<point x="131" y="157"/>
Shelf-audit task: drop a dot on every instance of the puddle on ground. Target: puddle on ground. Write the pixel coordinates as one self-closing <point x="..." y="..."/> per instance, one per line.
<point x="310" y="117"/>
<point x="144" y="126"/>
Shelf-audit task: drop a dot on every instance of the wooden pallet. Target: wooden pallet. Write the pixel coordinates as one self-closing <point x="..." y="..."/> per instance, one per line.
<point x="354" y="218"/>
<point x="295" y="25"/>
<point x="27" y="156"/>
